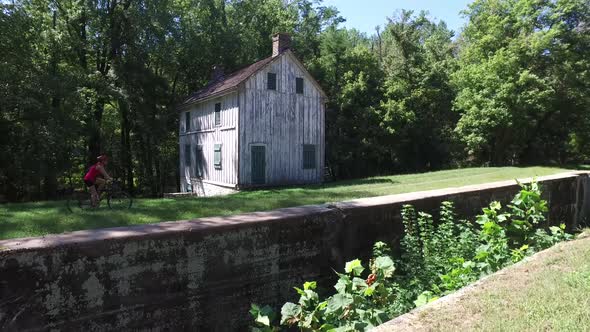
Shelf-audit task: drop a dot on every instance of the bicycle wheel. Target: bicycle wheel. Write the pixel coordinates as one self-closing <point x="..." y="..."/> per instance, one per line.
<point x="119" y="200"/>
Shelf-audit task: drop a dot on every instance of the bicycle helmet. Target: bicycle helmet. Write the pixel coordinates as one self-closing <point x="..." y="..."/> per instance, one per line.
<point x="102" y="157"/>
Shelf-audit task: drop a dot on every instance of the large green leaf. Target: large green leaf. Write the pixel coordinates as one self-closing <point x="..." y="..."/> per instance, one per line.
<point x="309" y="285"/>
<point x="290" y="313"/>
<point x="355" y="267"/>
<point x="343" y="284"/>
<point x="264" y="320"/>
<point x="385" y="265"/>
<point x="262" y="315"/>
<point x="338" y="302"/>
<point x="359" y="284"/>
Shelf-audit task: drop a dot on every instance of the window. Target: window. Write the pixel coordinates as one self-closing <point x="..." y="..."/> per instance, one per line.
<point x="218" y="114"/>
<point x="217" y="156"/>
<point x="199" y="161"/>
<point x="187" y="155"/>
<point x="309" y="156"/>
<point x="271" y="81"/>
<point x="299" y="85"/>
<point x="187" y="121"/>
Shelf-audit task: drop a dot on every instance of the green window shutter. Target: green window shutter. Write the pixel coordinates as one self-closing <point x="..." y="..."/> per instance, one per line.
<point x="299" y="85"/>
<point x="187" y="121"/>
<point x="271" y="81"/>
<point x="217" y="156"/>
<point x="218" y="114"/>
<point x="187" y="155"/>
<point x="199" y="160"/>
<point x="309" y="156"/>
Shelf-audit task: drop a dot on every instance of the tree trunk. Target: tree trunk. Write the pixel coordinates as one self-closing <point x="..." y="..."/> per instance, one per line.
<point x="126" y="155"/>
<point x="94" y="139"/>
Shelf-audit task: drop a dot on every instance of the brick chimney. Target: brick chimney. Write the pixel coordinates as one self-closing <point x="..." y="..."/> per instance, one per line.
<point x="280" y="43"/>
<point x="217" y="73"/>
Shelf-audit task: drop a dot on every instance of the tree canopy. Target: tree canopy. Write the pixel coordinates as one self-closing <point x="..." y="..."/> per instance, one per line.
<point x="83" y="77"/>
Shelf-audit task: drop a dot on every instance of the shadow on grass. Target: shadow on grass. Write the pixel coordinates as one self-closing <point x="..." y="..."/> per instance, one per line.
<point x="40" y="218"/>
<point x="36" y="219"/>
<point x="369" y="181"/>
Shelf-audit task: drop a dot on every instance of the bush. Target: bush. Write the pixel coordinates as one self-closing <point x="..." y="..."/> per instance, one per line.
<point x="436" y="259"/>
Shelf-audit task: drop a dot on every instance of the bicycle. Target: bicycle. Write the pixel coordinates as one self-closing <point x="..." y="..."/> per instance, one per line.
<point x="116" y="198"/>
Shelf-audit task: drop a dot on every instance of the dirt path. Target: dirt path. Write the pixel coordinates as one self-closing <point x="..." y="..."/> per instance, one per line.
<point x="549" y="291"/>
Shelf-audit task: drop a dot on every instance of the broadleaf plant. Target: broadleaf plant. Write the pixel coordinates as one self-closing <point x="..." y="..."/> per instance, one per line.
<point x="437" y="258"/>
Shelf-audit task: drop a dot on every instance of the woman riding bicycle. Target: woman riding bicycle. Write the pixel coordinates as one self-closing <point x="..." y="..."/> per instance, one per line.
<point x="95" y="178"/>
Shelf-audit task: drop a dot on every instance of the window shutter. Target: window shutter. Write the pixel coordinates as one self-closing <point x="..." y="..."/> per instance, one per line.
<point x="218" y="114"/>
<point x="309" y="155"/>
<point x="187" y="155"/>
<point x="199" y="161"/>
<point x="271" y="81"/>
<point x="187" y="121"/>
<point x="217" y="156"/>
<point x="299" y="85"/>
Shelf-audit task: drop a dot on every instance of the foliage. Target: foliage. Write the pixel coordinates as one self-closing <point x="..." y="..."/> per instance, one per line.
<point x="522" y="70"/>
<point x="351" y="75"/>
<point x="437" y="258"/>
<point x="432" y="258"/>
<point x="493" y="252"/>
<point x="549" y="291"/>
<point x="79" y="78"/>
<point x="516" y="228"/>
<point x="416" y="110"/>
<point x="361" y="300"/>
<point x="263" y="316"/>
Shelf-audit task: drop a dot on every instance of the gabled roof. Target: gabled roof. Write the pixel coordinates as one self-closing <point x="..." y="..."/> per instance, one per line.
<point x="231" y="81"/>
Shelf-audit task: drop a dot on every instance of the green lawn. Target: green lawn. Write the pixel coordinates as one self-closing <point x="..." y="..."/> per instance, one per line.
<point x="547" y="293"/>
<point x="40" y="218"/>
<point x="552" y="294"/>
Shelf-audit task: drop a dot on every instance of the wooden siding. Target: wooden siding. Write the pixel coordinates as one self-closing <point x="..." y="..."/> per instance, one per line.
<point x="283" y="121"/>
<point x="204" y="132"/>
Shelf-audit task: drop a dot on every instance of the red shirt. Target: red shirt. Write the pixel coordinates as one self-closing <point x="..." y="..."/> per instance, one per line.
<point x="93" y="172"/>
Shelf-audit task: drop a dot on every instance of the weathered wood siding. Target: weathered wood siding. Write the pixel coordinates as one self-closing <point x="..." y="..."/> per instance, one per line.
<point x="283" y="121"/>
<point x="204" y="132"/>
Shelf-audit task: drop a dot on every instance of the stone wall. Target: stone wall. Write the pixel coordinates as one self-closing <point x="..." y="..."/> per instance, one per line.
<point x="202" y="275"/>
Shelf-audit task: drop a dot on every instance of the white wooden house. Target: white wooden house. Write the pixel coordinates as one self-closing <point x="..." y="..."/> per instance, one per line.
<point x="262" y="125"/>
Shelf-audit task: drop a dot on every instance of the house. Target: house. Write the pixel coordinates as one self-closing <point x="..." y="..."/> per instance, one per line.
<point x="260" y="126"/>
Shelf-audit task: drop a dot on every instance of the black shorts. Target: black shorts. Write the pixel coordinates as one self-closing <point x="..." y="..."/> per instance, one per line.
<point x="89" y="183"/>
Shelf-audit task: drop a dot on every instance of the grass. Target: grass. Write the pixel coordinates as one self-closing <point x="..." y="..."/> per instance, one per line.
<point x="41" y="218"/>
<point x="547" y="293"/>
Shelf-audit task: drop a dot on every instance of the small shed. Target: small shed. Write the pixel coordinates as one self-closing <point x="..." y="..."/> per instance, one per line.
<point x="263" y="125"/>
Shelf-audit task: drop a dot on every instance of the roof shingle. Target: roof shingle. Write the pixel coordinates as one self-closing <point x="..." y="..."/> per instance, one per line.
<point x="227" y="82"/>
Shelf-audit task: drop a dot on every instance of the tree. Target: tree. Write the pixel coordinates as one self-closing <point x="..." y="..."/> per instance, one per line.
<point x="79" y="78"/>
<point x="83" y="77"/>
<point x="416" y="110"/>
<point x="522" y="72"/>
<point x="352" y="77"/>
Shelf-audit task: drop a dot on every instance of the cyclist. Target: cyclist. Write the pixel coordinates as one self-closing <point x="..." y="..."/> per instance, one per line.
<point x="96" y="178"/>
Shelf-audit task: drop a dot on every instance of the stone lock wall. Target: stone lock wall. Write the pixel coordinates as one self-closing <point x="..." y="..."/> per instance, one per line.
<point x="202" y="275"/>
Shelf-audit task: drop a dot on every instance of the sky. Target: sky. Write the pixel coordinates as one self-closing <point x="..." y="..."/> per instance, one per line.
<point x="365" y="15"/>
